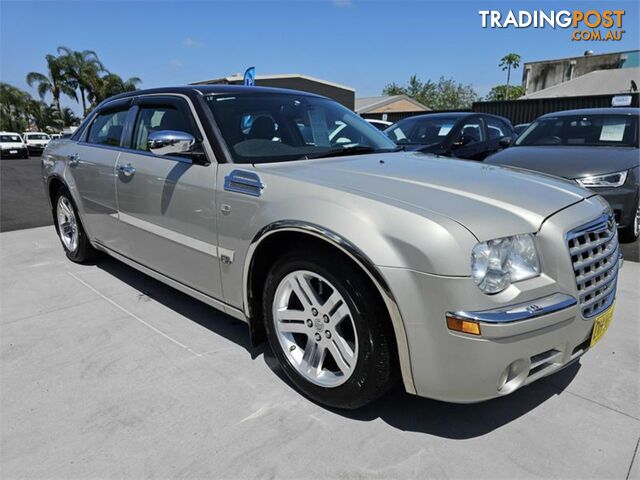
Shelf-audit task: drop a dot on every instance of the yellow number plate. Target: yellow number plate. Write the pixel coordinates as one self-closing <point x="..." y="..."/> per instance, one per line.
<point x="601" y="324"/>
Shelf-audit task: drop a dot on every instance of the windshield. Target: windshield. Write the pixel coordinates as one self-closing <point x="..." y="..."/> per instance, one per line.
<point x="10" y="139"/>
<point x="37" y="136"/>
<point x="261" y="128"/>
<point x="421" y="131"/>
<point x="582" y="130"/>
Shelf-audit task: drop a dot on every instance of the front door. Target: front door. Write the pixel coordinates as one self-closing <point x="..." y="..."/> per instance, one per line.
<point x="166" y="204"/>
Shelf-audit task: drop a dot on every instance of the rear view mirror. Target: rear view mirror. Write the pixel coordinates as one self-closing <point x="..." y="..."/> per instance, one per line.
<point x="505" y="142"/>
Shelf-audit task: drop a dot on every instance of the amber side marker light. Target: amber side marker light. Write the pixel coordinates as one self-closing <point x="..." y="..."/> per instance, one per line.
<point x="464" y="326"/>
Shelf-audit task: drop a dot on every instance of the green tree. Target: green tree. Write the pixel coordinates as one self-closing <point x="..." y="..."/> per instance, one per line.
<point x="509" y="61"/>
<point x="111" y="84"/>
<point x="445" y="94"/>
<point x="84" y="68"/>
<point x="13" y="104"/>
<point x="56" y="81"/>
<point x="499" y="92"/>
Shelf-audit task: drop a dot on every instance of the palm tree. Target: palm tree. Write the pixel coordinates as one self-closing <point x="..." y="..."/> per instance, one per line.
<point x="509" y="61"/>
<point x="112" y="84"/>
<point x="84" y="68"/>
<point x="13" y="105"/>
<point x="55" y="82"/>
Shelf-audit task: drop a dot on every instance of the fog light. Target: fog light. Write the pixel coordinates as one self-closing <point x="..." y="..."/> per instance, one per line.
<point x="513" y="376"/>
<point x="464" y="326"/>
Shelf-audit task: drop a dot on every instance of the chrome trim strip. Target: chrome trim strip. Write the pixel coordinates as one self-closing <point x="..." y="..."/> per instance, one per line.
<point x="519" y="312"/>
<point x="241" y="181"/>
<point x="361" y="260"/>
<point x="174" y="236"/>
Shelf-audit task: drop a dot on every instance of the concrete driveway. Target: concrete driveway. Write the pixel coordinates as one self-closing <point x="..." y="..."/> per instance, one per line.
<point x="107" y="373"/>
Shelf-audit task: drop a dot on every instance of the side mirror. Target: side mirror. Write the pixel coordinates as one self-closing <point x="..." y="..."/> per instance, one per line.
<point x="170" y="142"/>
<point x="460" y="142"/>
<point x="505" y="142"/>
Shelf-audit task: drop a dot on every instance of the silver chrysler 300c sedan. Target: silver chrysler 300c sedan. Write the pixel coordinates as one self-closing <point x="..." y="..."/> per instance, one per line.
<point x="359" y="263"/>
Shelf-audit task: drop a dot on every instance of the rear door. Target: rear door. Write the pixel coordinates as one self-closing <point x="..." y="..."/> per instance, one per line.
<point x="166" y="204"/>
<point x="91" y="163"/>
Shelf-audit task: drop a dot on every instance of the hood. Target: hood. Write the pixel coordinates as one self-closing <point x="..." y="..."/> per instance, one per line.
<point x="490" y="201"/>
<point x="12" y="144"/>
<point x="568" y="162"/>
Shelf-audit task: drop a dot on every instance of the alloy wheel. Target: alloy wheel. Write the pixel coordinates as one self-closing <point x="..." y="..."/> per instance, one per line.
<point x="315" y="328"/>
<point x="67" y="224"/>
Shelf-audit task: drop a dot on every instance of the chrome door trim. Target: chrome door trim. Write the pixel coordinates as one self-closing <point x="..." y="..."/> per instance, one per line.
<point x="171" y="235"/>
<point x="361" y="260"/>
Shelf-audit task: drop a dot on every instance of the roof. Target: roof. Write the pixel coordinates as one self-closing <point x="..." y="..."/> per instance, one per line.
<point x="598" y="82"/>
<point x="239" y="78"/>
<point x="211" y="89"/>
<point x="596" y="111"/>
<point x="575" y="57"/>
<point x="367" y="104"/>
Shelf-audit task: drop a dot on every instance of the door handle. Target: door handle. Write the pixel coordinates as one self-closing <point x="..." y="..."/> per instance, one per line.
<point x="127" y="170"/>
<point x="73" y="159"/>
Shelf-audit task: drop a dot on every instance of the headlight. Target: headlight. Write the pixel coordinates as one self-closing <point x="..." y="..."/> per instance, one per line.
<point x="498" y="263"/>
<point x="609" y="180"/>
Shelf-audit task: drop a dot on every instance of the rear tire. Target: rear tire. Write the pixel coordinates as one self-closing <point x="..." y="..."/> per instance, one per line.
<point x="338" y="348"/>
<point x="69" y="227"/>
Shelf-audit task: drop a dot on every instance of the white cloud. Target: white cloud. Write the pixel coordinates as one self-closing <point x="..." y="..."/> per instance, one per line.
<point x="176" y="63"/>
<point x="190" y="42"/>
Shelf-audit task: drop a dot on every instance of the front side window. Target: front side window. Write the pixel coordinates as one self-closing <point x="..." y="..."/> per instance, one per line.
<point x="156" y="118"/>
<point x="421" y="131"/>
<point x="496" y="128"/>
<point x="582" y="130"/>
<point x="107" y="128"/>
<point x="471" y="132"/>
<point x="260" y="128"/>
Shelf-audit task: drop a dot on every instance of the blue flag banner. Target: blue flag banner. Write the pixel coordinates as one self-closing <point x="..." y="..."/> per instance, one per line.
<point x="250" y="77"/>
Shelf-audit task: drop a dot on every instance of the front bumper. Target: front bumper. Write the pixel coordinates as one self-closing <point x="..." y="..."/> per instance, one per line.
<point x="14" y="152"/>
<point x="530" y="330"/>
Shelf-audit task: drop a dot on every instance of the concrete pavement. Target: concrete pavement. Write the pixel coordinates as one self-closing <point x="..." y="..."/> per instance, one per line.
<point x="108" y="373"/>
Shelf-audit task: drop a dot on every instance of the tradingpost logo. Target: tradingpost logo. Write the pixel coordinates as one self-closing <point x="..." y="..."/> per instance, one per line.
<point x="587" y="25"/>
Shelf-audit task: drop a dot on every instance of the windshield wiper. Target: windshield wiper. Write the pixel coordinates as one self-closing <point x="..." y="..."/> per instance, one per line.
<point x="338" y="152"/>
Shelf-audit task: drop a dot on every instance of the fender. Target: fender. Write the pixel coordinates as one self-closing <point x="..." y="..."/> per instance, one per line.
<point x="360" y="259"/>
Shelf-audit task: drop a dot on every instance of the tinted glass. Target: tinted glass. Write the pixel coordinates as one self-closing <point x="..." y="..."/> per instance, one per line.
<point x="279" y="127"/>
<point x="158" y="118"/>
<point x="107" y="128"/>
<point x="582" y="130"/>
<point x="496" y="128"/>
<point x="10" y="139"/>
<point x="472" y="132"/>
<point x="422" y="131"/>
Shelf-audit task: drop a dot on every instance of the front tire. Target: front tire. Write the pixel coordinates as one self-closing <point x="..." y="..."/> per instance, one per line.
<point x="630" y="233"/>
<point x="329" y="329"/>
<point x="72" y="235"/>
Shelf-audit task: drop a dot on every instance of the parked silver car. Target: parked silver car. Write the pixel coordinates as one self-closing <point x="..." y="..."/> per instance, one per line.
<point x="359" y="263"/>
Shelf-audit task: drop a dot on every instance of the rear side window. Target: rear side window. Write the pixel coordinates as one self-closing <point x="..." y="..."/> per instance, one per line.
<point x="156" y="118"/>
<point x="107" y="128"/>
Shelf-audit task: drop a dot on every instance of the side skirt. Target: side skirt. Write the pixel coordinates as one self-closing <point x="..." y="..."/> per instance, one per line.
<point x="217" y="304"/>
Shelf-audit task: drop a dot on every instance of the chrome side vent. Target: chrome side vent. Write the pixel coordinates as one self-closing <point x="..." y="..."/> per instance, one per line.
<point x="241" y="181"/>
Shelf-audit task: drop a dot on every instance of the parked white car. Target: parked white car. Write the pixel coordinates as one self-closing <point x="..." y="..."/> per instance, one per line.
<point x="12" y="145"/>
<point x="36" y="141"/>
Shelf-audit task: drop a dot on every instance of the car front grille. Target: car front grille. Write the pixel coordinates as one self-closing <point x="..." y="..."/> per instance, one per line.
<point x="594" y="253"/>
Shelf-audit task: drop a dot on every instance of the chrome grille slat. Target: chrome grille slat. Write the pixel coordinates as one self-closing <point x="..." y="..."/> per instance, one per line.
<point x="594" y="254"/>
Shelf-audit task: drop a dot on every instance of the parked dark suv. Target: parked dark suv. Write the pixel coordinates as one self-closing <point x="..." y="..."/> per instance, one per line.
<point x="598" y="148"/>
<point x="465" y="135"/>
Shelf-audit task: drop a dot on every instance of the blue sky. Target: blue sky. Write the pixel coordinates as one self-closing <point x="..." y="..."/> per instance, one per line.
<point x="362" y="44"/>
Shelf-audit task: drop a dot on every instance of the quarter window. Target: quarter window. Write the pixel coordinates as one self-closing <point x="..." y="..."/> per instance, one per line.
<point x="156" y="118"/>
<point x="107" y="128"/>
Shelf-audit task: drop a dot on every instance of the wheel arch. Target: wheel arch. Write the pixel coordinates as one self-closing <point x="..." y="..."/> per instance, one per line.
<point x="281" y="234"/>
